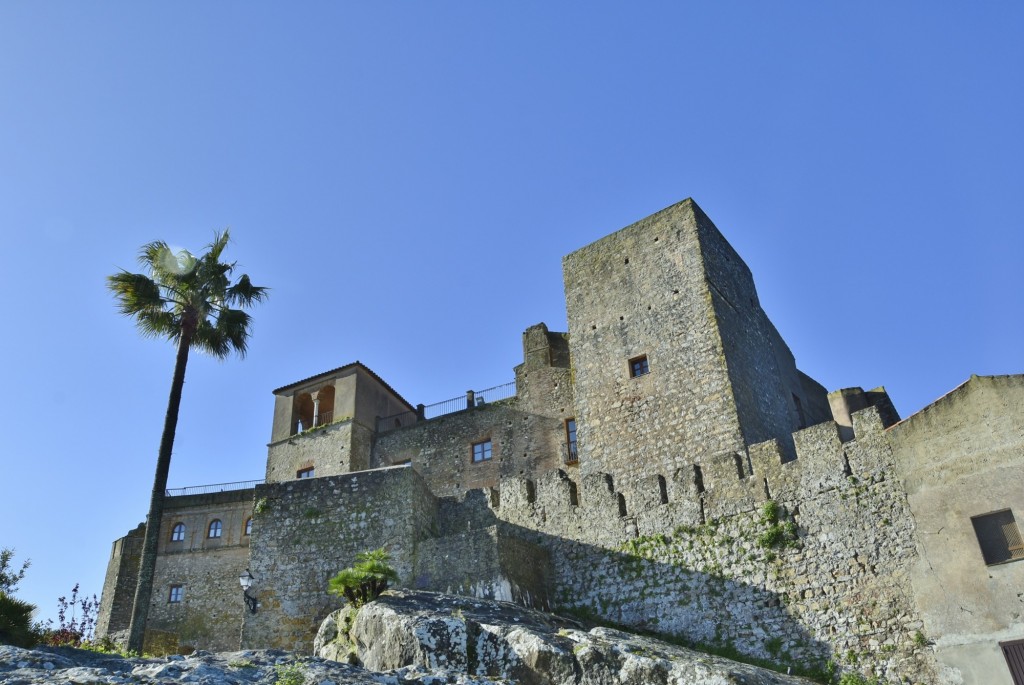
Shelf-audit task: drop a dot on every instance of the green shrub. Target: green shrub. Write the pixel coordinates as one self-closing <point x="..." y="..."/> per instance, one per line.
<point x="16" y="621"/>
<point x="364" y="581"/>
<point x="290" y="674"/>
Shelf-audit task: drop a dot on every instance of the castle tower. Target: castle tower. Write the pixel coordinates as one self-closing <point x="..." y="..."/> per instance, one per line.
<point x="324" y="425"/>
<point x="673" y="358"/>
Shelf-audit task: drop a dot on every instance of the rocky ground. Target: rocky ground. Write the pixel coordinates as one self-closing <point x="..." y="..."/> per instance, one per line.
<point x="414" y="638"/>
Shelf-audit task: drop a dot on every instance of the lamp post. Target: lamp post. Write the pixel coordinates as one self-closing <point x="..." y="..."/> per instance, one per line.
<point x="246" y="580"/>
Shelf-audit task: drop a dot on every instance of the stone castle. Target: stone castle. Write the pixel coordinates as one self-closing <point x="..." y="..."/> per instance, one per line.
<point x="664" y="465"/>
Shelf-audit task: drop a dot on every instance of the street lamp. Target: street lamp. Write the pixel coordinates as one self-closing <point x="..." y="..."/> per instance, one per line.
<point x="246" y="580"/>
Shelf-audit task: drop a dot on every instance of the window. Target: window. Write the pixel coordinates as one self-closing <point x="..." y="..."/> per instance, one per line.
<point x="999" y="537"/>
<point x="178" y="532"/>
<point x="638" y="366"/>
<point x="216" y="528"/>
<point x="176" y="594"/>
<point x="482" y="451"/>
<point x="248" y="526"/>
<point x="1014" y="654"/>
<point x="305" y="473"/>
<point x="572" y="456"/>
<point x="799" y="412"/>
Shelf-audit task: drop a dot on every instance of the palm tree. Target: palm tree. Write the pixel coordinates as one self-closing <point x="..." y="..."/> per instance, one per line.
<point x="189" y="300"/>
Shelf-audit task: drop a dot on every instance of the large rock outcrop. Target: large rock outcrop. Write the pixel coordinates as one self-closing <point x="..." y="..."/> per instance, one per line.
<point x="459" y="635"/>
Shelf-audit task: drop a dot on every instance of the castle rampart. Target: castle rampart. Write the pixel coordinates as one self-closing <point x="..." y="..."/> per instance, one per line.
<point x="712" y="563"/>
<point x="715" y="492"/>
<point x="305" y="531"/>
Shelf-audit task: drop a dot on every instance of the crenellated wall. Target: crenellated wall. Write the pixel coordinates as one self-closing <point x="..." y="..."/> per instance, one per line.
<point x="689" y="505"/>
<point x="709" y="557"/>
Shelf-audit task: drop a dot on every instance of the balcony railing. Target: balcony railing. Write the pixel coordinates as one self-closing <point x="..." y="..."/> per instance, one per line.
<point x="472" y="398"/>
<point x="322" y="419"/>
<point x="216" y="487"/>
<point x="570" y="454"/>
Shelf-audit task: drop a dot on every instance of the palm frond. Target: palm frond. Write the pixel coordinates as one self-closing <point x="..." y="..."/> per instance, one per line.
<point x="244" y="293"/>
<point x="135" y="293"/>
<point x="159" y="324"/>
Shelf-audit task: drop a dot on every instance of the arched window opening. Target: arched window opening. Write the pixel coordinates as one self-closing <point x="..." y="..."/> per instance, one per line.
<point x="248" y="526"/>
<point x="323" y="406"/>
<point x="302" y="413"/>
<point x="178" y="532"/>
<point x="216" y="528"/>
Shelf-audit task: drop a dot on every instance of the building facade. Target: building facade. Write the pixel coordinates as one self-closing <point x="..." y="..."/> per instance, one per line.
<point x="663" y="465"/>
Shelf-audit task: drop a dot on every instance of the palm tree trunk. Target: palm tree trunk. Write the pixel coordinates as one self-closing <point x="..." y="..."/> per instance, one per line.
<point x="147" y="564"/>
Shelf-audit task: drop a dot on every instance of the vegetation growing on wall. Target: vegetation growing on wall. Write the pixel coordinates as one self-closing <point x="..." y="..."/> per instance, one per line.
<point x="364" y="581"/>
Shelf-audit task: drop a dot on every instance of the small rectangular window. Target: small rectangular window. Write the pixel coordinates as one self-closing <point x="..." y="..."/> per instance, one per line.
<point x="482" y="451"/>
<point x="572" y="456"/>
<point x="638" y="366"/>
<point x="305" y="473"/>
<point x="176" y="594"/>
<point x="999" y="537"/>
<point x="802" y="420"/>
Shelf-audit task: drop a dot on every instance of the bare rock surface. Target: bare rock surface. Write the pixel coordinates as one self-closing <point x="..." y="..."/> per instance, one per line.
<point x="67" y="666"/>
<point x="460" y="635"/>
<point x="412" y="638"/>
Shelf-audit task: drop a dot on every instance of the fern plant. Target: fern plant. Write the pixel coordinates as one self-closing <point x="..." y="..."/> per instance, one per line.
<point x="366" y="579"/>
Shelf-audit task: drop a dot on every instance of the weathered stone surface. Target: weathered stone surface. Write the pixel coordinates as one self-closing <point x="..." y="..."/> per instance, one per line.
<point x="66" y="666"/>
<point x="459" y="635"/>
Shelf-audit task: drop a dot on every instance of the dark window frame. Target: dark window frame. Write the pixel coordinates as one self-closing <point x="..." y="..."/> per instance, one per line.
<point x="485" y="452"/>
<point x="215" y="530"/>
<point x="999" y="537"/>
<point x="571" y="444"/>
<point x="639" y="366"/>
<point x="175" y="594"/>
<point x="178" y="532"/>
<point x="308" y="472"/>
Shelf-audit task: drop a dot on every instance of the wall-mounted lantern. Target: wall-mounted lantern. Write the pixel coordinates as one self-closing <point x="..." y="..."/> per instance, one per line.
<point x="246" y="580"/>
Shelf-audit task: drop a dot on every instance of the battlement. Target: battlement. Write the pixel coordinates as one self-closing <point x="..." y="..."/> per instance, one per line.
<point x="616" y="507"/>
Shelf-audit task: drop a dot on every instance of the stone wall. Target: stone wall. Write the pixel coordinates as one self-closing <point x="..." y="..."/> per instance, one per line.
<point x="205" y="568"/>
<point x="305" y="531"/>
<point x="527" y="432"/>
<point x="712" y="560"/>
<point x="486" y="563"/>
<point x="959" y="458"/>
<point x="115" y="612"/>
<point x="761" y="368"/>
<point x="653" y="300"/>
<point x="340" y="447"/>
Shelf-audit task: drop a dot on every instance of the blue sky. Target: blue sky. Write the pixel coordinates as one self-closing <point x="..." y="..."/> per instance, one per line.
<point x="406" y="177"/>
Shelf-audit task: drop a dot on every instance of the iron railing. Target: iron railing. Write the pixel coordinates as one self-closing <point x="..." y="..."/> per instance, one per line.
<point x="472" y="398"/>
<point x="216" y="487"/>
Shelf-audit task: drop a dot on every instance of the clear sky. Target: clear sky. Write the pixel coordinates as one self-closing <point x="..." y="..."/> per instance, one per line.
<point x="406" y="177"/>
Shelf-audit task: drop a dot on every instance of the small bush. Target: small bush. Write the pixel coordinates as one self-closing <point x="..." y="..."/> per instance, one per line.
<point x="16" y="621"/>
<point x="290" y="674"/>
<point x="364" y="581"/>
<point x="72" y="629"/>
